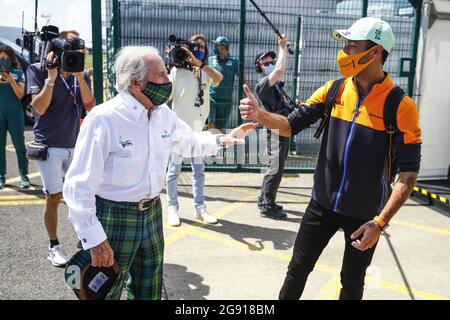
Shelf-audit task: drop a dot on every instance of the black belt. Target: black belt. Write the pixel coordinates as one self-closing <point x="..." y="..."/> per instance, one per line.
<point x="146" y="204"/>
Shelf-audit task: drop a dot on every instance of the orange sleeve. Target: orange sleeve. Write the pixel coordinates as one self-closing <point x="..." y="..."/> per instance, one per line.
<point x="320" y="95"/>
<point x="408" y="121"/>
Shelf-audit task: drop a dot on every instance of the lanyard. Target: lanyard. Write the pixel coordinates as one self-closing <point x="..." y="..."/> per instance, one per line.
<point x="73" y="94"/>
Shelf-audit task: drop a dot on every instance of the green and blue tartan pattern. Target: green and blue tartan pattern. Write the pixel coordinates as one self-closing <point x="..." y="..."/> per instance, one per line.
<point x="158" y="93"/>
<point x="138" y="243"/>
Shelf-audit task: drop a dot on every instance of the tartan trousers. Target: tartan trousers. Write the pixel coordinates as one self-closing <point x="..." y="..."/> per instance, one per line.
<point x="138" y="243"/>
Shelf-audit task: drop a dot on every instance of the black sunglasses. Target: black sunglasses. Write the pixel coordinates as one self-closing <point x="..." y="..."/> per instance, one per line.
<point x="266" y="64"/>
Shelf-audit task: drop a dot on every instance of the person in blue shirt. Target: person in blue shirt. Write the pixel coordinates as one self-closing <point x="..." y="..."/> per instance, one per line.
<point x="59" y="98"/>
<point x="12" y="85"/>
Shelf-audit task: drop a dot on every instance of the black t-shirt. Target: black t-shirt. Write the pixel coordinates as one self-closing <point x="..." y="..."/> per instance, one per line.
<point x="58" y="127"/>
<point x="273" y="98"/>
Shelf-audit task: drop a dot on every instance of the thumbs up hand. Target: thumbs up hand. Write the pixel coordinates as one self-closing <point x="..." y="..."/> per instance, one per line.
<point x="249" y="106"/>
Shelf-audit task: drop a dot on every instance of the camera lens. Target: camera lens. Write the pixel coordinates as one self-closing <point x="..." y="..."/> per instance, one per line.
<point x="179" y="55"/>
<point x="71" y="61"/>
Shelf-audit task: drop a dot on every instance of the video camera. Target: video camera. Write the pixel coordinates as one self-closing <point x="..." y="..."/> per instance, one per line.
<point x="175" y="55"/>
<point x="69" y="54"/>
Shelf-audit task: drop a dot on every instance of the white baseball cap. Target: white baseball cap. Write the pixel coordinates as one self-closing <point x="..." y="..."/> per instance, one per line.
<point x="368" y="28"/>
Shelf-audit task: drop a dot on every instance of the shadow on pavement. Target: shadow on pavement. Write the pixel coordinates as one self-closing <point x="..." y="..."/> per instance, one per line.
<point x="281" y="239"/>
<point x="180" y="284"/>
<point x="399" y="265"/>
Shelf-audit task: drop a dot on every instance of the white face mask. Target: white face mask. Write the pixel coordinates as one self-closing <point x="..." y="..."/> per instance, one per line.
<point x="268" y="70"/>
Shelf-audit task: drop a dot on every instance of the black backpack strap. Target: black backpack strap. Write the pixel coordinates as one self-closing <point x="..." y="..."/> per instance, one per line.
<point x="391" y="105"/>
<point x="329" y="103"/>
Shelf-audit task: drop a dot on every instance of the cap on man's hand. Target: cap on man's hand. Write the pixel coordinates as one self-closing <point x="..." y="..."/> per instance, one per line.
<point x="94" y="283"/>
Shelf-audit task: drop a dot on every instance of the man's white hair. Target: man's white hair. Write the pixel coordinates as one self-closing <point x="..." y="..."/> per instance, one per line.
<point x="130" y="65"/>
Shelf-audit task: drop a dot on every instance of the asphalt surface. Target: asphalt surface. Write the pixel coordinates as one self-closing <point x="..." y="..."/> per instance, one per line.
<point x="243" y="257"/>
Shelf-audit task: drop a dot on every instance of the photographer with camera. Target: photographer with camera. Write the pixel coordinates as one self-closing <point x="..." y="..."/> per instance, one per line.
<point x="60" y="90"/>
<point x="12" y="85"/>
<point x="191" y="79"/>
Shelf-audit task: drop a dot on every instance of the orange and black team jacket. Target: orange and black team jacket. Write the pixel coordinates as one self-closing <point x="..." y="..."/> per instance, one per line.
<point x="349" y="177"/>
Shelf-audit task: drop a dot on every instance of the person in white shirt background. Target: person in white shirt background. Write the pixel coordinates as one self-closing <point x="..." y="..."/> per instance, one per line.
<point x="118" y="170"/>
<point x="191" y="81"/>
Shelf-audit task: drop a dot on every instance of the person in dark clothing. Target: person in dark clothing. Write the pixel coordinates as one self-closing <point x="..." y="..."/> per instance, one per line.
<point x="59" y="98"/>
<point x="274" y="99"/>
<point x="349" y="189"/>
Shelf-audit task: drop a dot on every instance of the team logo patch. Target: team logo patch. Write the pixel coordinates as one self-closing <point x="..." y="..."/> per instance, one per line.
<point x="165" y="134"/>
<point x="125" y="143"/>
<point x="378" y="34"/>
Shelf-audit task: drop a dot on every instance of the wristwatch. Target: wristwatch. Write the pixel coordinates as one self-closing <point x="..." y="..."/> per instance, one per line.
<point x="49" y="83"/>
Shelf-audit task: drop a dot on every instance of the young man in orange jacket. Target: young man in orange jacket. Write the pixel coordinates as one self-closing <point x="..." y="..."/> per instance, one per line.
<point x="349" y="189"/>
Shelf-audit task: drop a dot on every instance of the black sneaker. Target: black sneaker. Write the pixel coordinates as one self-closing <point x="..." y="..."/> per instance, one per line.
<point x="278" y="206"/>
<point x="260" y="205"/>
<point x="273" y="213"/>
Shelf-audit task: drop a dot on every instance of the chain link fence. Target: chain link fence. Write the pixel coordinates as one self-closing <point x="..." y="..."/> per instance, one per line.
<point x="307" y="24"/>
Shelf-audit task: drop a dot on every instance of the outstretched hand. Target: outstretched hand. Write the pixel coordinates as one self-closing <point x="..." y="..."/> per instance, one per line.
<point x="237" y="135"/>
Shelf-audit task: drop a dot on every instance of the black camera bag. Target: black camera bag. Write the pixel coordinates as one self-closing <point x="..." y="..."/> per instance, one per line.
<point x="37" y="151"/>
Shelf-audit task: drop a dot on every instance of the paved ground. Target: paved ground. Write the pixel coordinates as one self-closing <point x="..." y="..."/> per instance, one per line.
<point x="243" y="257"/>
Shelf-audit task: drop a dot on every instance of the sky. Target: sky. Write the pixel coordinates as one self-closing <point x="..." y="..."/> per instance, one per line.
<point x="65" y="14"/>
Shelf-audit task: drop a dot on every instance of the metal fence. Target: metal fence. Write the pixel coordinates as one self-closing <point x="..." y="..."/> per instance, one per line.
<point x="307" y="24"/>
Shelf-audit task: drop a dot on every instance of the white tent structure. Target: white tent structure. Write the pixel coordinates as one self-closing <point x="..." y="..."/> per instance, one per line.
<point x="433" y="89"/>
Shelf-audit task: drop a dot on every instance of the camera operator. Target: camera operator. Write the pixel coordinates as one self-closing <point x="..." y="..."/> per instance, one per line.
<point x="190" y="101"/>
<point x="59" y="98"/>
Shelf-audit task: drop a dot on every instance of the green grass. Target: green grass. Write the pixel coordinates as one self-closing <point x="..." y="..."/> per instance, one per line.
<point x="88" y="62"/>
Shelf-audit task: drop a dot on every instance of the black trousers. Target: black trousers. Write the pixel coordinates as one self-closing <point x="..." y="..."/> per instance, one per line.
<point x="277" y="150"/>
<point x="317" y="227"/>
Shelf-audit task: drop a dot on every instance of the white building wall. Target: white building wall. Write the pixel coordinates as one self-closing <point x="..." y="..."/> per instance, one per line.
<point x="434" y="99"/>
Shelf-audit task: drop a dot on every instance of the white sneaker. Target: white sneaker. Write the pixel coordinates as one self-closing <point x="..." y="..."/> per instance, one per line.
<point x="202" y="214"/>
<point x="172" y="216"/>
<point x="57" y="256"/>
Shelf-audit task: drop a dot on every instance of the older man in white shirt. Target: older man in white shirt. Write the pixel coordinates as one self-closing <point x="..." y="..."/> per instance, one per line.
<point x="112" y="187"/>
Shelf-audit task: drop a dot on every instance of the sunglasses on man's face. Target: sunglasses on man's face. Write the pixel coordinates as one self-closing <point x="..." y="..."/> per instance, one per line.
<point x="266" y="64"/>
